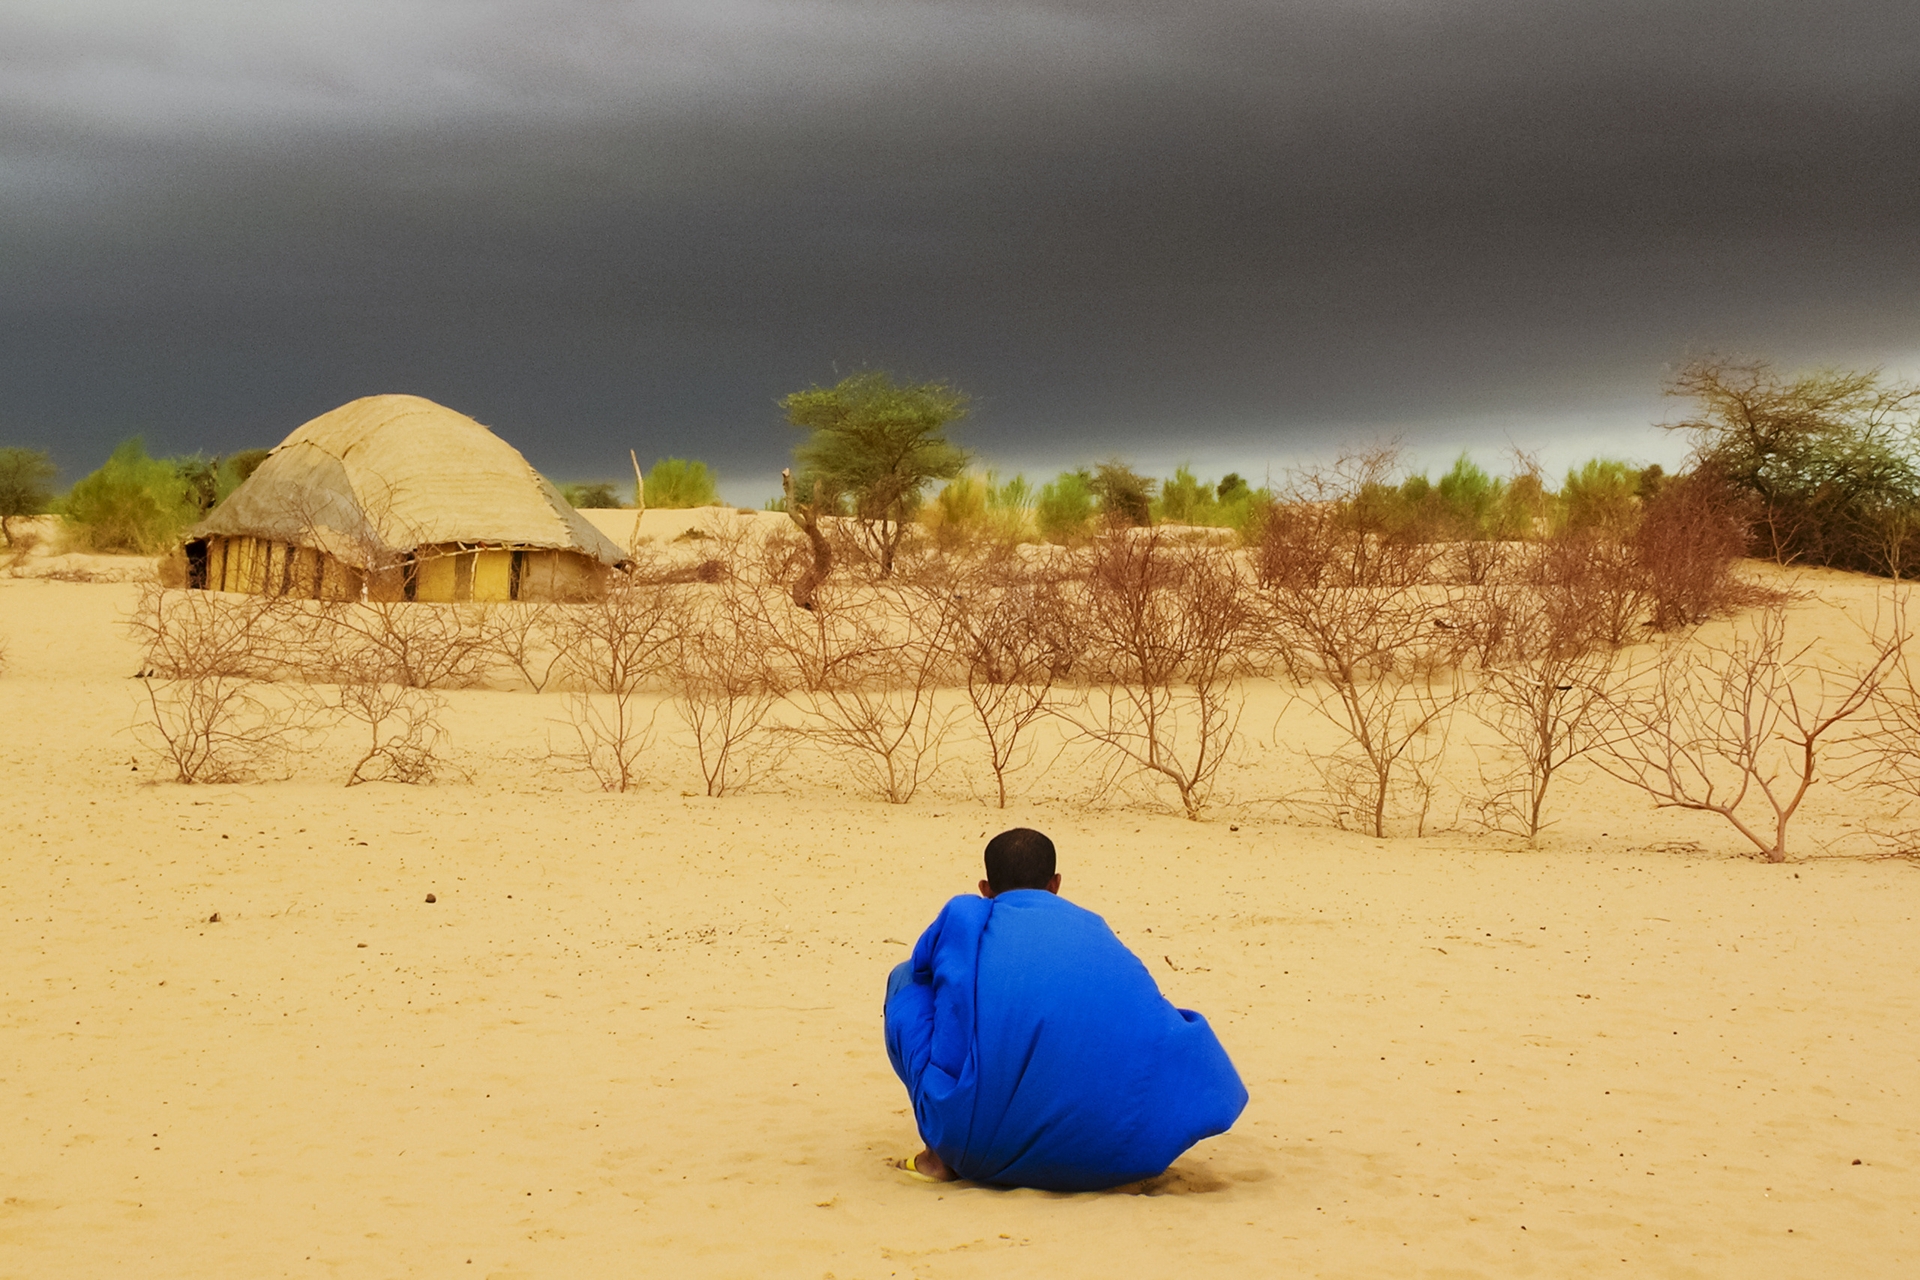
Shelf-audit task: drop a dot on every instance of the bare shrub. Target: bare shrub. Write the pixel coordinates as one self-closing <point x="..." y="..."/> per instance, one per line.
<point x="1589" y="575"/>
<point x="1889" y="745"/>
<point x="725" y="682"/>
<point x="784" y="556"/>
<point x="613" y="647"/>
<point x="207" y="710"/>
<point x="1375" y="651"/>
<point x="1689" y="538"/>
<point x="1546" y="685"/>
<point x="1324" y="531"/>
<point x="527" y="639"/>
<point x="1737" y="727"/>
<point x="1379" y="677"/>
<point x="734" y="546"/>
<point x="1012" y="645"/>
<point x="401" y="723"/>
<point x="422" y="646"/>
<point x="1166" y="625"/>
<point x="864" y="669"/>
<point x="1476" y="562"/>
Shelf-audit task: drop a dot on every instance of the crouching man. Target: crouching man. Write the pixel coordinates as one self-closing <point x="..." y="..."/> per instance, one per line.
<point x="1036" y="1048"/>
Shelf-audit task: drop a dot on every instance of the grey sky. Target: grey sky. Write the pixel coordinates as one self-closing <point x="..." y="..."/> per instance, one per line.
<point x="1233" y="232"/>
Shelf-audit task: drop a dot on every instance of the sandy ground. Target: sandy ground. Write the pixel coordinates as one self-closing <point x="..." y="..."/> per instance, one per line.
<point x="640" y="1034"/>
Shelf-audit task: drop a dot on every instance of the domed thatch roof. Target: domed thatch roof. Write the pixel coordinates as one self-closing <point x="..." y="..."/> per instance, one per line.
<point x="383" y="475"/>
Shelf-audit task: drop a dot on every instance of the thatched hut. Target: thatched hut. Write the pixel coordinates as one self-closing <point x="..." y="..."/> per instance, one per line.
<point x="398" y="498"/>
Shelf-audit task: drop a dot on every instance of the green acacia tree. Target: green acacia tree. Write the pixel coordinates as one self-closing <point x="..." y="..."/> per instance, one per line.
<point x="874" y="445"/>
<point x="26" y="485"/>
<point x="1830" y="459"/>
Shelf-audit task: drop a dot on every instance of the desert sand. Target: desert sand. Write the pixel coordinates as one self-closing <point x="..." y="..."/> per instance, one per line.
<point x="640" y="1034"/>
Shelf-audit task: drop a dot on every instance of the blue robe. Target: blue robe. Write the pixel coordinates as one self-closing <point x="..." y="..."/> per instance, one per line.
<point x="1039" y="1052"/>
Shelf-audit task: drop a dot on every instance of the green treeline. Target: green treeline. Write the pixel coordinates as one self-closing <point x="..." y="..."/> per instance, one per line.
<point x="1466" y="503"/>
<point x="135" y="503"/>
<point x="1821" y="468"/>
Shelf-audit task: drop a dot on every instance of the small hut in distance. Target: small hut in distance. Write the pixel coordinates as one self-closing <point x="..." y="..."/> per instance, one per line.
<point x="399" y="498"/>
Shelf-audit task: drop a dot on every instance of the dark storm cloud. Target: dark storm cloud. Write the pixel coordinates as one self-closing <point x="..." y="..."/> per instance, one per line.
<point x="1235" y="230"/>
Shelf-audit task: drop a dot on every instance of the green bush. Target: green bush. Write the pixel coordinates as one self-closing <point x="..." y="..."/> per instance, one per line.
<point x="595" y="495"/>
<point x="961" y="504"/>
<point x="1601" y="496"/>
<point x="1124" y="495"/>
<point x="1464" y="505"/>
<point x="135" y="504"/>
<point x="1184" y="499"/>
<point x="1010" y="496"/>
<point x="1230" y="504"/>
<point x="1470" y="501"/>
<point x="1526" y="506"/>
<point x="1064" y="510"/>
<point x="678" y="483"/>
<point x="244" y="462"/>
<point x="979" y="504"/>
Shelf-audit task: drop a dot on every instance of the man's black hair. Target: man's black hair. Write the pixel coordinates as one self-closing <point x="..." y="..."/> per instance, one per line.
<point x="1019" y="859"/>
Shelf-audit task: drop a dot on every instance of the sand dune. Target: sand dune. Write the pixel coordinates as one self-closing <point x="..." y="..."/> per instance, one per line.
<point x="639" y="1034"/>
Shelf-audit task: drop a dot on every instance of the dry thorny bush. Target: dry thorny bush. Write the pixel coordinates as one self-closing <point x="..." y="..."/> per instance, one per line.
<point x="1547" y="669"/>
<point x="401" y="722"/>
<point x="612" y="649"/>
<point x="726" y="682"/>
<point x="1347" y="616"/>
<point x="1013" y="641"/>
<point x="863" y="668"/>
<point x="527" y="639"/>
<point x="723" y="668"/>
<point x="1137" y="645"/>
<point x="422" y="646"/>
<point x="1737" y="727"/>
<point x="207" y="705"/>
<point x="1166" y="625"/>
<point x="1890" y="745"/>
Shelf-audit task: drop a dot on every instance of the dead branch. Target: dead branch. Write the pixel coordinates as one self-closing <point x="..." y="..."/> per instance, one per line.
<point x="1006" y="641"/>
<point x="527" y="638"/>
<point x="1889" y="747"/>
<point x="1548" y="701"/>
<point x="806" y="515"/>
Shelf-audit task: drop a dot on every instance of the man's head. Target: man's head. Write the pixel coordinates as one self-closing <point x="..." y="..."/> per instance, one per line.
<point x="1019" y="859"/>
